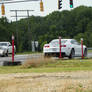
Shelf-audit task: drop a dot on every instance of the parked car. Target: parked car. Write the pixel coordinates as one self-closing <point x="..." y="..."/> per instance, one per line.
<point x="70" y="48"/>
<point x="3" y="52"/>
<point x="6" y="48"/>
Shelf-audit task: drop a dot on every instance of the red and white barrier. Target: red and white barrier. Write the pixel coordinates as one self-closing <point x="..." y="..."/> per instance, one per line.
<point x="12" y="48"/>
<point x="60" y="46"/>
<point x="82" y="48"/>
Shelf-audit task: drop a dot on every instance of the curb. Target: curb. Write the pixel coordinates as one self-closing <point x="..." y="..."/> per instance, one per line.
<point x="10" y="63"/>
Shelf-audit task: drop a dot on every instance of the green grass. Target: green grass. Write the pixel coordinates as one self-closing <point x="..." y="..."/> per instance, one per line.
<point x="41" y="70"/>
<point x="29" y="52"/>
<point x="89" y="50"/>
<point x="57" y="66"/>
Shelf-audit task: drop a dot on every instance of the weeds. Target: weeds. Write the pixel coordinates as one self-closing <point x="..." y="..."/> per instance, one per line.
<point x="37" y="62"/>
<point x="51" y="63"/>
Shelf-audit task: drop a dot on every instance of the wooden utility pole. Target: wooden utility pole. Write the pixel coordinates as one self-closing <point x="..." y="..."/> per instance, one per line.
<point x="16" y="16"/>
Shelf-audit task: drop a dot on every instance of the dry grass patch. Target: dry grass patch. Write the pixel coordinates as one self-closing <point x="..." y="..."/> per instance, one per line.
<point x="47" y="82"/>
<point x="37" y="62"/>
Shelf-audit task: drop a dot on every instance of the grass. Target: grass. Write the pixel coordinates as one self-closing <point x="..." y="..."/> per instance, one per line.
<point x="49" y="65"/>
<point x="40" y="70"/>
<point x="40" y="85"/>
<point x="29" y="78"/>
<point x="90" y="51"/>
<point x="27" y="52"/>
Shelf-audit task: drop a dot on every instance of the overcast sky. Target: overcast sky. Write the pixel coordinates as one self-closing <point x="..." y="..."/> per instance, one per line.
<point x="49" y="6"/>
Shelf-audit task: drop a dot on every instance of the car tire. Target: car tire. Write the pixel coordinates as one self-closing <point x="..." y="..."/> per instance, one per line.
<point x="85" y="52"/>
<point x="72" y="54"/>
<point x="47" y="55"/>
<point x="3" y="55"/>
<point x="7" y="54"/>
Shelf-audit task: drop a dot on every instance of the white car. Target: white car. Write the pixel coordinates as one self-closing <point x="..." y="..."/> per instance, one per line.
<point x="6" y="48"/>
<point x="70" y="48"/>
<point x="3" y="52"/>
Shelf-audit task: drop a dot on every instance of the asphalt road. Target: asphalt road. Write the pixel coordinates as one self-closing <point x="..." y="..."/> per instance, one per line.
<point x="21" y="58"/>
<point x="25" y="57"/>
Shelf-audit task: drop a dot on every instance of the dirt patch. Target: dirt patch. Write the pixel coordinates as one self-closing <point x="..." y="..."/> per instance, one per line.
<point x="47" y="82"/>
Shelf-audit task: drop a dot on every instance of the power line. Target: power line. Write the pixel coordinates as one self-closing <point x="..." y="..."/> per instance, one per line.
<point x="7" y="2"/>
<point x="21" y="11"/>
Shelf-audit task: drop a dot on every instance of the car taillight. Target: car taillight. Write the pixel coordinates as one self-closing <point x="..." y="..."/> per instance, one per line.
<point x="63" y="45"/>
<point x="46" y="46"/>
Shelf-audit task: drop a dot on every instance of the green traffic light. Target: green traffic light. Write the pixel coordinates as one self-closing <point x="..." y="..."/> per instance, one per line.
<point x="71" y="6"/>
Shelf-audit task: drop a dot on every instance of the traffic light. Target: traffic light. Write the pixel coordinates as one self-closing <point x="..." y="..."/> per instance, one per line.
<point x="71" y="3"/>
<point x="3" y="9"/>
<point x="41" y="6"/>
<point x="59" y="4"/>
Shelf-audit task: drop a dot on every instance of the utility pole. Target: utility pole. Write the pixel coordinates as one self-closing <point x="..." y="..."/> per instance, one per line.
<point x="29" y="30"/>
<point x="16" y="29"/>
<point x="28" y="19"/>
<point x="16" y="16"/>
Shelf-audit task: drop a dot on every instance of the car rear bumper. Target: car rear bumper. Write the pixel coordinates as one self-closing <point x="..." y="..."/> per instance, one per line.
<point x="63" y="54"/>
<point x="64" y="51"/>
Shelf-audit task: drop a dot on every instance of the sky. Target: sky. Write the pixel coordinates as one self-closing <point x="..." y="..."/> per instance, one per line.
<point x="49" y="7"/>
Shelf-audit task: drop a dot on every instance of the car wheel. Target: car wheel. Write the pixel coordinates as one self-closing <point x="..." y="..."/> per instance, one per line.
<point x="55" y="55"/>
<point x="85" y="52"/>
<point x="72" y="54"/>
<point x="7" y="54"/>
<point x="46" y="55"/>
<point x="3" y="55"/>
<point x="14" y="53"/>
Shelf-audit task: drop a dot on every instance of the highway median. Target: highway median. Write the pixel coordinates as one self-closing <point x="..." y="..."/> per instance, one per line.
<point x="49" y="65"/>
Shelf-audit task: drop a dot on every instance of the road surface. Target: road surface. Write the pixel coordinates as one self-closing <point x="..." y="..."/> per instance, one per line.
<point x="25" y="57"/>
<point x="21" y="58"/>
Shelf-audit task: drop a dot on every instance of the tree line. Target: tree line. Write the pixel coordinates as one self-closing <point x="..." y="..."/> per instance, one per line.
<point x="76" y="24"/>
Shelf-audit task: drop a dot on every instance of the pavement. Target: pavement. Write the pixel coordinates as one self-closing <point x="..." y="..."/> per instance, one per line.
<point x="21" y="58"/>
<point x="25" y="57"/>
